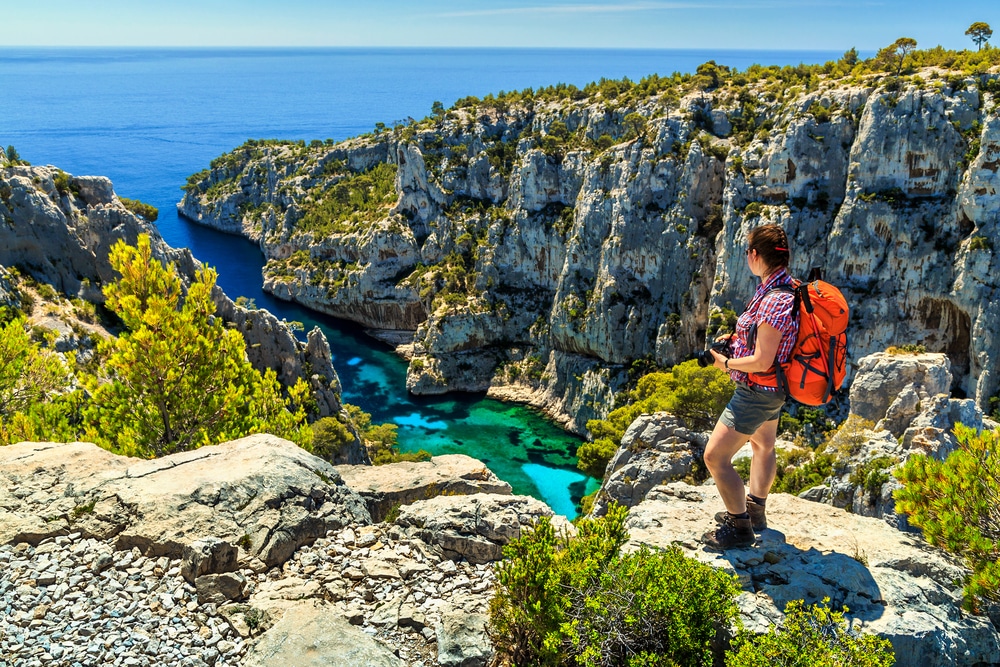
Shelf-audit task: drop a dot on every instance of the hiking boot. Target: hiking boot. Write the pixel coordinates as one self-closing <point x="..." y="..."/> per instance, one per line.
<point x="756" y="512"/>
<point x="733" y="533"/>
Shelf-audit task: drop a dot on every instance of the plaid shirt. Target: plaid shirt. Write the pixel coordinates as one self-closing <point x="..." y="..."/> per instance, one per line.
<point x="775" y="308"/>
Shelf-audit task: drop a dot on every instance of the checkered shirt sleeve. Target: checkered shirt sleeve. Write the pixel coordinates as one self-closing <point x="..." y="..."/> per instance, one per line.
<point x="776" y="310"/>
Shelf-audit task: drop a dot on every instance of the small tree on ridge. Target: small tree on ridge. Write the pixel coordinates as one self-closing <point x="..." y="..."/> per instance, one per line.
<point x="980" y="33"/>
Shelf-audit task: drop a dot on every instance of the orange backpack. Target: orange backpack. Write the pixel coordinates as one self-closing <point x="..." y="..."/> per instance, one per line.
<point x="818" y="362"/>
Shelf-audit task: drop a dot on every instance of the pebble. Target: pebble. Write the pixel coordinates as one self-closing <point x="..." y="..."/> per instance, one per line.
<point x="62" y="605"/>
<point x="77" y="602"/>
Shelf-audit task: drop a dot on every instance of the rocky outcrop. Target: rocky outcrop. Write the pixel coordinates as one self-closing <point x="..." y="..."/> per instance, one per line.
<point x="537" y="247"/>
<point x="900" y="406"/>
<point x="59" y="229"/>
<point x="655" y="449"/>
<point x="263" y="494"/>
<point x="893" y="585"/>
<point x="908" y="395"/>
<point x="473" y="527"/>
<point x="395" y="484"/>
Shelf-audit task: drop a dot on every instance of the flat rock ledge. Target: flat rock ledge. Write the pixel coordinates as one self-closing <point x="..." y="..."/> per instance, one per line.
<point x="392" y="485"/>
<point x="262" y="493"/>
<point x="893" y="583"/>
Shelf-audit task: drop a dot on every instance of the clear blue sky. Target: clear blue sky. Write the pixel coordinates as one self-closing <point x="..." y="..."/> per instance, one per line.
<point x="737" y="24"/>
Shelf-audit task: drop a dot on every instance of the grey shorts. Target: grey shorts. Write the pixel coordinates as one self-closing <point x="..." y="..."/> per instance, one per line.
<point x="749" y="408"/>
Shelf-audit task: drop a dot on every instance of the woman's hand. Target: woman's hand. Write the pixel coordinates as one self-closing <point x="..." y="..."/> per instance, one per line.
<point x="720" y="360"/>
<point x="723" y="337"/>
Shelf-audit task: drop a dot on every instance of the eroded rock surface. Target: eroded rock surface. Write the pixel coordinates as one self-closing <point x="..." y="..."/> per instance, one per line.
<point x="386" y="486"/>
<point x="655" y="449"/>
<point x="473" y="527"/>
<point x="262" y="493"/>
<point x="312" y="634"/>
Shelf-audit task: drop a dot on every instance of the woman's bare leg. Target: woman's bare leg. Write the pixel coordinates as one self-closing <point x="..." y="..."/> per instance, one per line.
<point x="763" y="465"/>
<point x="722" y="446"/>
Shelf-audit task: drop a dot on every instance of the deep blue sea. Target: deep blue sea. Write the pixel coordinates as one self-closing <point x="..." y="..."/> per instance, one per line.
<point x="147" y="118"/>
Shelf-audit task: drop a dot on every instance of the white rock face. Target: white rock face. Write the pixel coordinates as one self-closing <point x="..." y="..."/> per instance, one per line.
<point x="611" y="256"/>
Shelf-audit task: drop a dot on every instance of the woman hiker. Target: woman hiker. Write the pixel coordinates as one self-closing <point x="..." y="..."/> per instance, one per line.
<point x="765" y="334"/>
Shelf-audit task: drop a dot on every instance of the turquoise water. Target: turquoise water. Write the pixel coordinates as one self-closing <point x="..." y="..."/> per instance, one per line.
<point x="147" y="118"/>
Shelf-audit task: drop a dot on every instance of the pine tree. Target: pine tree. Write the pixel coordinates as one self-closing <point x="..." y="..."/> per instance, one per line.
<point x="980" y="33"/>
<point x="177" y="378"/>
<point x="29" y="376"/>
<point x="957" y="504"/>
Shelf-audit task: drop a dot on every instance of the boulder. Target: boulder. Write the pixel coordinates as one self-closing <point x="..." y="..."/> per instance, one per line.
<point x="461" y="638"/>
<point x="473" y="527"/>
<point x="313" y="635"/>
<point x="386" y="486"/>
<point x="220" y="588"/>
<point x="207" y="556"/>
<point x="893" y="583"/>
<point x="262" y="493"/>
<point x="655" y="449"/>
<point x="890" y="389"/>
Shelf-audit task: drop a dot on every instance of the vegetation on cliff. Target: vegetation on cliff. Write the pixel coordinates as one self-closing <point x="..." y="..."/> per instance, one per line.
<point x="437" y="220"/>
<point x="175" y="378"/>
<point x="957" y="504"/>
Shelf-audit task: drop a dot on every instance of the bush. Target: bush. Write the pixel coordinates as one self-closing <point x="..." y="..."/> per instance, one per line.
<point x="380" y="439"/>
<point x="955" y="503"/>
<point x="577" y="601"/>
<point x="141" y="209"/>
<point x="330" y="437"/>
<point x="694" y="394"/>
<point x="810" y="637"/>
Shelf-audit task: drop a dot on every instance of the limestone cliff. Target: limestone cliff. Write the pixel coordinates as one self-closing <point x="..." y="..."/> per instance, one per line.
<point x="59" y="229"/>
<point x="539" y="244"/>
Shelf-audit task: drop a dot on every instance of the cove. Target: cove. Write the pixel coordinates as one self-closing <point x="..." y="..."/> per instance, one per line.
<point x="533" y="455"/>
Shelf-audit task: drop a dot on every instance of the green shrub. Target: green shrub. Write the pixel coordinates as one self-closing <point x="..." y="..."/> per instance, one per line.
<point x="577" y="601"/>
<point x="872" y="475"/>
<point x="64" y="185"/>
<point x="141" y="209"/>
<point x="980" y="243"/>
<point x="955" y="503"/>
<point x="810" y="637"/>
<point x="330" y="438"/>
<point x="908" y="348"/>
<point x="380" y="439"/>
<point x="694" y="394"/>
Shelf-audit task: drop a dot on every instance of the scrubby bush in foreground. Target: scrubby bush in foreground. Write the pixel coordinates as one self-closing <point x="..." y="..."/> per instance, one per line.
<point x="814" y="636"/>
<point x="578" y="601"/>
<point x="957" y="504"/>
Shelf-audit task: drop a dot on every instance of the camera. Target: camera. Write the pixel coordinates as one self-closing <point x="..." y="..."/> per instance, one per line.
<point x="705" y="357"/>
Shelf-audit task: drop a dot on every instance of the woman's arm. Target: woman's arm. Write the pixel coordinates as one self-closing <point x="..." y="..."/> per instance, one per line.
<point x="766" y="347"/>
